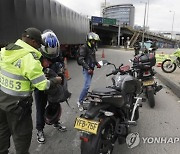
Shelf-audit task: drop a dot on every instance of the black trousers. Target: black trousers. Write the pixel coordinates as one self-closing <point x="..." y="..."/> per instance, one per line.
<point x="20" y="130"/>
<point x="41" y="102"/>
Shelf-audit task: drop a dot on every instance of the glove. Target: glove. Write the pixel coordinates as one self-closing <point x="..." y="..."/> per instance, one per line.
<point x="90" y="71"/>
<point x="98" y="65"/>
<point x="49" y="73"/>
<point x="24" y="107"/>
<point x="56" y="80"/>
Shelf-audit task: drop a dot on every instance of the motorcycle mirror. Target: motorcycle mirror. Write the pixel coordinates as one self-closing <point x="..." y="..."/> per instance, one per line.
<point x="130" y="60"/>
<point x="103" y="62"/>
<point x="150" y="49"/>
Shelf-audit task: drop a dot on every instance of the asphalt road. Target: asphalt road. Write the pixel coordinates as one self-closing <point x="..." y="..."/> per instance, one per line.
<point x="162" y="121"/>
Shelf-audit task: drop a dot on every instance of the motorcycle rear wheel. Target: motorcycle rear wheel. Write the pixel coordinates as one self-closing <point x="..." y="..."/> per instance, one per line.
<point x="151" y="99"/>
<point x="103" y="142"/>
<point x="168" y="66"/>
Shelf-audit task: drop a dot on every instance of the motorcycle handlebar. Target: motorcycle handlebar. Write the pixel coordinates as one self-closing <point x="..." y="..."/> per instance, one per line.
<point x="113" y="72"/>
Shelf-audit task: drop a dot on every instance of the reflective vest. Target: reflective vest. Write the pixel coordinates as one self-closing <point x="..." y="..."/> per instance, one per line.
<point x="20" y="70"/>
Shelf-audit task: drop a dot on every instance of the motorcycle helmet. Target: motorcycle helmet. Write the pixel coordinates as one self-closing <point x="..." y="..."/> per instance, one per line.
<point x="52" y="113"/>
<point x="97" y="37"/>
<point x="92" y="38"/>
<point x="51" y="46"/>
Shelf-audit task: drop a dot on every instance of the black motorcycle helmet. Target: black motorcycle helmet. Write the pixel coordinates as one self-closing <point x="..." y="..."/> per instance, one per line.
<point x="52" y="113"/>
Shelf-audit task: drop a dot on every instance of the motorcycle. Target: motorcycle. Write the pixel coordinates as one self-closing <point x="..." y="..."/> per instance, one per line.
<point x="143" y="70"/>
<point x="170" y="65"/>
<point x="110" y="113"/>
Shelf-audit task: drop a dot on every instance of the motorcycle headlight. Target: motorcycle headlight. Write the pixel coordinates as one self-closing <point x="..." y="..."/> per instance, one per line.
<point x="108" y="114"/>
<point x="97" y="100"/>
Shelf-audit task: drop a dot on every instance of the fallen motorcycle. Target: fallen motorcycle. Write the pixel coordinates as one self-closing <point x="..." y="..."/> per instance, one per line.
<point x="143" y="70"/>
<point x="111" y="112"/>
<point x="169" y="65"/>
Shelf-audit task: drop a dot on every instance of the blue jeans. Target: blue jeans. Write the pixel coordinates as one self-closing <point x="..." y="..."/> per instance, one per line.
<point x="87" y="83"/>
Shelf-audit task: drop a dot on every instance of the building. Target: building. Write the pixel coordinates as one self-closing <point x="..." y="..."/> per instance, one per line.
<point x="177" y="36"/>
<point x="123" y="13"/>
<point x="103" y="5"/>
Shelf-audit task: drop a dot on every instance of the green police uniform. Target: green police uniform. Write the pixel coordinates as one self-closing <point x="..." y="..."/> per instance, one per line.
<point x="20" y="73"/>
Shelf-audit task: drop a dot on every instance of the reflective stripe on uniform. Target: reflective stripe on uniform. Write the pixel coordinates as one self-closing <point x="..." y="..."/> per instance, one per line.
<point x="15" y="93"/>
<point x="48" y="85"/>
<point x="38" y="79"/>
<point x="13" y="76"/>
<point x="14" y="84"/>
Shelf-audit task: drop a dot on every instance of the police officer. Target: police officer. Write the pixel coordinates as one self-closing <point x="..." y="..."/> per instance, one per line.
<point x="20" y="73"/>
<point x="87" y="58"/>
<point x="154" y="46"/>
<point x="137" y="47"/>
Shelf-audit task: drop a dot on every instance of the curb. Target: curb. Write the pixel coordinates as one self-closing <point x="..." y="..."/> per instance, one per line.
<point x="174" y="88"/>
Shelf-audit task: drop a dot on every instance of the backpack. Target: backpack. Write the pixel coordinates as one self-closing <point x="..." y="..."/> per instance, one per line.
<point x="60" y="92"/>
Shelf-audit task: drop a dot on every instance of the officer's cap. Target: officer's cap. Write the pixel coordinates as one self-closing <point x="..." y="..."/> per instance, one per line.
<point x="33" y="33"/>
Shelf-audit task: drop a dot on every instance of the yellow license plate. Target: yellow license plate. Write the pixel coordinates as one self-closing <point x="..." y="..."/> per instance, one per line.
<point x="86" y="125"/>
<point x="148" y="83"/>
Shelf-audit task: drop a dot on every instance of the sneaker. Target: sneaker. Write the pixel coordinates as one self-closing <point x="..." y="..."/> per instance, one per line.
<point x="40" y="137"/>
<point x="60" y="127"/>
<point x="80" y="106"/>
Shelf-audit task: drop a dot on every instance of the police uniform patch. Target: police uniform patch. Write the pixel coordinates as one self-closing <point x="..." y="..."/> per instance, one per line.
<point x="18" y="63"/>
<point x="34" y="55"/>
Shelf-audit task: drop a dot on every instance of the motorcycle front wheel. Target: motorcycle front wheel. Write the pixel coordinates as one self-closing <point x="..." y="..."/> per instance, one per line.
<point x="103" y="141"/>
<point x="168" y="66"/>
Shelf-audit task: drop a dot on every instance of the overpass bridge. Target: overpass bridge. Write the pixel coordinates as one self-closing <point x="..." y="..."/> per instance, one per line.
<point x="70" y="26"/>
<point x="109" y="35"/>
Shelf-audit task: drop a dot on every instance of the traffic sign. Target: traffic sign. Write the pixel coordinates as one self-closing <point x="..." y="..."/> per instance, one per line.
<point x="109" y="21"/>
<point x="95" y="19"/>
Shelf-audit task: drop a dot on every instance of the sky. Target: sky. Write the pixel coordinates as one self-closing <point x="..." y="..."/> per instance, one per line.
<point x="160" y="14"/>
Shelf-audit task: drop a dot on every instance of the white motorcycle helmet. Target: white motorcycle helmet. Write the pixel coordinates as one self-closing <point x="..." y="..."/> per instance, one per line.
<point x="97" y="37"/>
<point x="92" y="38"/>
<point x="51" y="47"/>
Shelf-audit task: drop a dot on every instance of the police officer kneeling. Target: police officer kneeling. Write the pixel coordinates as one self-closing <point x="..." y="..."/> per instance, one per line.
<point x="20" y="73"/>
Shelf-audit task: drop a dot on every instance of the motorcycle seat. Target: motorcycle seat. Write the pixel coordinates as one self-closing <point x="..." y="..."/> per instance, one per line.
<point x="109" y="96"/>
<point x="104" y="91"/>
